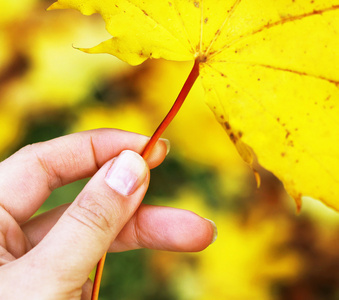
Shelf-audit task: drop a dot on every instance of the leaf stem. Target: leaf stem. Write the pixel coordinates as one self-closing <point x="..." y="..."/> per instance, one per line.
<point x="174" y="110"/>
<point x="97" y="279"/>
<point x="148" y="149"/>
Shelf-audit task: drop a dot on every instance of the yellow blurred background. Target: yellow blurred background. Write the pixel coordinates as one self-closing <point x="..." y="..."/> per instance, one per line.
<point x="263" y="251"/>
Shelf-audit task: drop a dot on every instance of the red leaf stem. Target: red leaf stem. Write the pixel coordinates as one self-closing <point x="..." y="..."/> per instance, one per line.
<point x="174" y="110"/>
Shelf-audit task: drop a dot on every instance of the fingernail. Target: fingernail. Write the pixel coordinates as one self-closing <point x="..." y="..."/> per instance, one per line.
<point x="215" y="231"/>
<point x="168" y="144"/>
<point x="127" y="173"/>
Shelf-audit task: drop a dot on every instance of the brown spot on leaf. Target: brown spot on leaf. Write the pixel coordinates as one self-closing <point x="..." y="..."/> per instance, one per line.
<point x="206" y="20"/>
<point x="283" y="154"/>
<point x="170" y="3"/>
<point x="233" y="137"/>
<point x="287" y="134"/>
<point x="145" y="13"/>
<point x="240" y="134"/>
<point x="196" y="4"/>
<point x="227" y="125"/>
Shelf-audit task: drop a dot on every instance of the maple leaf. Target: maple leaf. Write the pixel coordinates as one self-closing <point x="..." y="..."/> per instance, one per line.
<point x="269" y="69"/>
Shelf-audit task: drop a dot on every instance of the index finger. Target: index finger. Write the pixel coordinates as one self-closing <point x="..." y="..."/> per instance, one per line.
<point x="28" y="176"/>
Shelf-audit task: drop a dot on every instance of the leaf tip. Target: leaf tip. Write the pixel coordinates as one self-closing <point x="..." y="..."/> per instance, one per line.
<point x="298" y="203"/>
<point x="257" y="177"/>
<point x="77" y="48"/>
<point x="86" y="50"/>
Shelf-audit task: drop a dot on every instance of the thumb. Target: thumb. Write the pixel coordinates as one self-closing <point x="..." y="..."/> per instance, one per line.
<point x="87" y="228"/>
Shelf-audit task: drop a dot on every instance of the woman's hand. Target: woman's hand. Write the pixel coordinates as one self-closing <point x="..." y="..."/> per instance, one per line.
<point x="51" y="256"/>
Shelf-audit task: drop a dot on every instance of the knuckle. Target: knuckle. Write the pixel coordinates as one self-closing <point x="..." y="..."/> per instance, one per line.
<point x="92" y="209"/>
<point x="137" y="230"/>
<point x="37" y="151"/>
<point x="141" y="237"/>
<point x="30" y="149"/>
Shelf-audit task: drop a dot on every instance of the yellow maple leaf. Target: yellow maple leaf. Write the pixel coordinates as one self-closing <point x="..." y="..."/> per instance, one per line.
<point x="269" y="69"/>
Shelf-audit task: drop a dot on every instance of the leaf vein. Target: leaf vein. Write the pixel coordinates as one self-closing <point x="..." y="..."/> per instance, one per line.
<point x="276" y="68"/>
<point x="218" y="32"/>
<point x="183" y="26"/>
<point x="157" y="22"/>
<point x="274" y="24"/>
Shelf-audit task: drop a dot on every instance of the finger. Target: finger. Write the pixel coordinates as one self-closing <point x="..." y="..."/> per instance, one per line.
<point x="153" y="227"/>
<point x="72" y="248"/>
<point x="165" y="228"/>
<point x="36" y="228"/>
<point x="33" y="172"/>
<point x="13" y="242"/>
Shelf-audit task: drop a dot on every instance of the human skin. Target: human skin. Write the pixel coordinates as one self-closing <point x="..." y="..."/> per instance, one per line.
<point x="51" y="256"/>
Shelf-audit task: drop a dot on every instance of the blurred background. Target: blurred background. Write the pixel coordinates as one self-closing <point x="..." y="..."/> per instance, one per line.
<point x="264" y="249"/>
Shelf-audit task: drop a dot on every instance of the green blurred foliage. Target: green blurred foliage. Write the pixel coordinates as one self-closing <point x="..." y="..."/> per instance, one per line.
<point x="264" y="251"/>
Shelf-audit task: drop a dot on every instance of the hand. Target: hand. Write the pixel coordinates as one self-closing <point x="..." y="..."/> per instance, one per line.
<point x="51" y="256"/>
